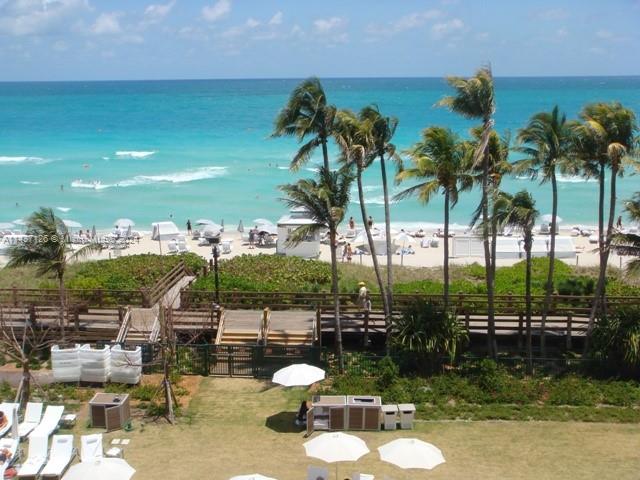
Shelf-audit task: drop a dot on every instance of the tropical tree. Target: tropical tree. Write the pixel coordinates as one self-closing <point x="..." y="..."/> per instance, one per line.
<point x="352" y="140"/>
<point x="326" y="200"/>
<point x="379" y="132"/>
<point x="629" y="243"/>
<point x="309" y="118"/>
<point x="547" y="142"/>
<point x="519" y="212"/>
<point x="439" y="165"/>
<point x="606" y="138"/>
<point x="474" y="99"/>
<point x="48" y="248"/>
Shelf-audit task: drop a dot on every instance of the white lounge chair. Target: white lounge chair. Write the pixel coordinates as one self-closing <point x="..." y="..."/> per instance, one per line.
<point x="7" y="409"/>
<point x="11" y="446"/>
<point x="315" y="473"/>
<point x="32" y="416"/>
<point x="172" y="247"/>
<point x="60" y="457"/>
<point x="91" y="447"/>
<point x="36" y="459"/>
<point x="362" y="476"/>
<point x="49" y="422"/>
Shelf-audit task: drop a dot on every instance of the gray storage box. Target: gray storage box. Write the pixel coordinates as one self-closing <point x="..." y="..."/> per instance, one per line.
<point x="390" y="416"/>
<point x="407" y="415"/>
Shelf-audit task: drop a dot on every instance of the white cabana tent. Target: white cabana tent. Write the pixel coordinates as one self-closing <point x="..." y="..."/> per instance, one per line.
<point x="308" y="248"/>
<point x="164" y="231"/>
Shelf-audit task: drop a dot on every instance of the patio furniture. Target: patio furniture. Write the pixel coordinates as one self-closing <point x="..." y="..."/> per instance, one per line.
<point x="91" y="447"/>
<point x="49" y="422"/>
<point x="36" y="458"/>
<point x="32" y="416"/>
<point x="60" y="457"/>
<point x="110" y="411"/>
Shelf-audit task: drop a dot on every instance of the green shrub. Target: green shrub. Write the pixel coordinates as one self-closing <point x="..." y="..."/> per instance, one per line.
<point x="573" y="391"/>
<point x="388" y="373"/>
<point x="580" y="285"/>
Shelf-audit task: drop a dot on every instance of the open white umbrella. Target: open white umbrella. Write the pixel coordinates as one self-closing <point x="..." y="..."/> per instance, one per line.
<point x="72" y="223"/>
<point x="205" y="221"/>
<point x="262" y="221"/>
<point x="403" y="238"/>
<point x="100" y="469"/>
<point x="253" y="476"/>
<point x="270" y="229"/>
<point x="411" y="453"/>
<point x="547" y="217"/>
<point x="124" y="223"/>
<point x="20" y="221"/>
<point x="336" y="447"/>
<point x="299" y="374"/>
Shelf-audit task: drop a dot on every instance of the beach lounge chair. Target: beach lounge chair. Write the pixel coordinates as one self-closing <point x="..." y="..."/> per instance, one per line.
<point x="315" y="473"/>
<point x="7" y="409"/>
<point x="362" y="476"/>
<point x="172" y="247"/>
<point x="36" y="459"/>
<point x="32" y="416"/>
<point x="182" y="246"/>
<point x="9" y="445"/>
<point x="49" y="423"/>
<point x="225" y="247"/>
<point x="60" y="457"/>
<point x="91" y="447"/>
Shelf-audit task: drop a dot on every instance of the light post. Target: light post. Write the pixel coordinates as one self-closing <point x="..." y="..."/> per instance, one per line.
<point x="214" y="251"/>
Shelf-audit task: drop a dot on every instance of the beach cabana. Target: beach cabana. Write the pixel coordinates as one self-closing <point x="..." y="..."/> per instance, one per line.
<point x="164" y="231"/>
<point x="309" y="247"/>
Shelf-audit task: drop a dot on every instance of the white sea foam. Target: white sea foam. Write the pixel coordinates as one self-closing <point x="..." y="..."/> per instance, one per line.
<point x="105" y="158"/>
<point x="6" y="160"/>
<point x="29" y="182"/>
<point x="134" y="153"/>
<point x="64" y="209"/>
<point x="574" y="179"/>
<point x="379" y="200"/>
<point x="191" y="175"/>
<point x="312" y="169"/>
<point x="283" y="168"/>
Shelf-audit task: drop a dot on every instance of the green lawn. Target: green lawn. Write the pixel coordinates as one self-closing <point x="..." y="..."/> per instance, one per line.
<point x="237" y="426"/>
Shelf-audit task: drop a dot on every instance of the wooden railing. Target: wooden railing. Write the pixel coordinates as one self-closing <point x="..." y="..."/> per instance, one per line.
<point x="89" y="297"/>
<point x="124" y="327"/>
<point x="220" y="331"/>
<point x="166" y="282"/>
<point x="265" y="325"/>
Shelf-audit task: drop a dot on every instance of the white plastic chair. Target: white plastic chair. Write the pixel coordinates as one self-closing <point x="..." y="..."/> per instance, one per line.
<point x="60" y="457"/>
<point x="49" y="422"/>
<point x="36" y="459"/>
<point x="317" y="473"/>
<point x="32" y="417"/>
<point x="91" y="447"/>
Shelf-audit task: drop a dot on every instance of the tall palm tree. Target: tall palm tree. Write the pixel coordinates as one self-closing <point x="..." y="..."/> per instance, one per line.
<point x="439" y="166"/>
<point x="380" y="130"/>
<point x="326" y="200"/>
<point x="49" y="250"/>
<point x="547" y="142"/>
<point x="474" y="99"/>
<point x="518" y="211"/>
<point x="351" y="138"/>
<point x="309" y="118"/>
<point x="629" y="243"/>
<point x="606" y="138"/>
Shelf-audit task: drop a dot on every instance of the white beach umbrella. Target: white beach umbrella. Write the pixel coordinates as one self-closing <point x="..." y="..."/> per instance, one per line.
<point x="124" y="223"/>
<point x="404" y="238"/>
<point x="336" y="447"/>
<point x="6" y="225"/>
<point x="270" y="229"/>
<point x="20" y="221"/>
<point x="205" y="221"/>
<point x="72" y="223"/>
<point x="253" y="476"/>
<point x="547" y="217"/>
<point x="262" y="221"/>
<point x="299" y="374"/>
<point x="411" y="453"/>
<point x="100" y="469"/>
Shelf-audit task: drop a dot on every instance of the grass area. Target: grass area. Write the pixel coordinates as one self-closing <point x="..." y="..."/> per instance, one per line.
<point x="238" y="426"/>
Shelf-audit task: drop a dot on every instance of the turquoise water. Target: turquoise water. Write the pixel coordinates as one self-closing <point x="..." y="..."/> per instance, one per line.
<point x="191" y="149"/>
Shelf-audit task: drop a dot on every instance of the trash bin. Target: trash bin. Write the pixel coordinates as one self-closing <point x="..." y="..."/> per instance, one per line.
<point x="390" y="416"/>
<point x="407" y="415"/>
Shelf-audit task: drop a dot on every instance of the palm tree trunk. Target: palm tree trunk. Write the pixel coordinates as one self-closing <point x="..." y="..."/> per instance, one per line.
<point x="62" y="307"/>
<point x="336" y="299"/>
<point x="607" y="240"/>
<point x="552" y="259"/>
<point x="387" y="223"/>
<point x="528" y="241"/>
<point x="487" y="256"/>
<point x="603" y="265"/>
<point x="445" y="265"/>
<point x="372" y="250"/>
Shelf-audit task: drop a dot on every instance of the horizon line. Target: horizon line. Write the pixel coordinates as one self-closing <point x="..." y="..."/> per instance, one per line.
<point x="402" y="77"/>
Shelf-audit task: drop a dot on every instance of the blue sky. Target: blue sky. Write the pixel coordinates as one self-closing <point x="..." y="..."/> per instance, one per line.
<point x="134" y="39"/>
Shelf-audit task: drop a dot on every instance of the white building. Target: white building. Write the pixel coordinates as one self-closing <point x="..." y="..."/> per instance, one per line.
<point x="309" y="247"/>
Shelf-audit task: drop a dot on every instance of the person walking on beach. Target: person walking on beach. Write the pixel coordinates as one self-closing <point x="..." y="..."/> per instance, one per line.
<point x="370" y="221"/>
<point x="189" y="227"/>
<point x="619" y="223"/>
<point x="252" y="237"/>
<point x="352" y="224"/>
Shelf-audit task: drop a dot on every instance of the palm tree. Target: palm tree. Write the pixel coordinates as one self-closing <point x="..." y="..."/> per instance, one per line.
<point x="474" y="99"/>
<point x="629" y="243"/>
<point x="439" y="166"/>
<point x="547" y="142"/>
<point x="379" y="131"/>
<point x="326" y="200"/>
<point x="307" y="114"/>
<point x="49" y="251"/>
<point x="351" y="138"/>
<point x="518" y="211"/>
<point x="606" y="138"/>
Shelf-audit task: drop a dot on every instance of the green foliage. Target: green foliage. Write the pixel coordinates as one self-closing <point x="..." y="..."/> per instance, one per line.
<point x="130" y="272"/>
<point x="616" y="340"/>
<point x="579" y="285"/>
<point x="269" y="273"/>
<point x="389" y="373"/>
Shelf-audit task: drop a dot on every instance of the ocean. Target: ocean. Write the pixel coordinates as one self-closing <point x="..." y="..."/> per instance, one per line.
<point x="160" y="150"/>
